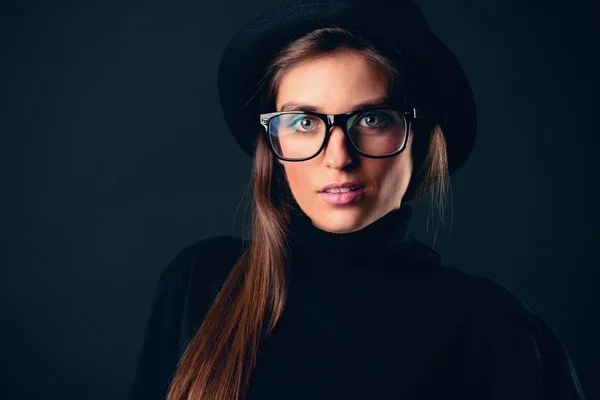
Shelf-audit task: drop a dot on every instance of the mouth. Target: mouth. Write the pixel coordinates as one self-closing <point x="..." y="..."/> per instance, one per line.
<point x="341" y="190"/>
<point x="342" y="196"/>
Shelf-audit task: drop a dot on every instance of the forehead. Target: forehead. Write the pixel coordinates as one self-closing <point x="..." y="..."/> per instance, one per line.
<point x="333" y="84"/>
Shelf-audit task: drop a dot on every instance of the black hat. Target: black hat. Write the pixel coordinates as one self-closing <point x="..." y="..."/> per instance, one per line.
<point x="439" y="82"/>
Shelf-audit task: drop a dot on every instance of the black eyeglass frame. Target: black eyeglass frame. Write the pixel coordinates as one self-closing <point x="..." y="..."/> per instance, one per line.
<point x="340" y="120"/>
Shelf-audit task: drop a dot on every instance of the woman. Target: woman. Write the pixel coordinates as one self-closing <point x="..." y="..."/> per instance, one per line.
<point x="350" y="109"/>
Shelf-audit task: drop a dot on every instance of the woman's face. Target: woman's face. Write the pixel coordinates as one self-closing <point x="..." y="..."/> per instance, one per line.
<point x="336" y="84"/>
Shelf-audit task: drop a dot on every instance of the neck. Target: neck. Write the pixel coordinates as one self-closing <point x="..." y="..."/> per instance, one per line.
<point x="314" y="250"/>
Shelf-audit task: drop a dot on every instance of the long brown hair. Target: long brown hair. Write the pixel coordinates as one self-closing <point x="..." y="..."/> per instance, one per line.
<point x="222" y="354"/>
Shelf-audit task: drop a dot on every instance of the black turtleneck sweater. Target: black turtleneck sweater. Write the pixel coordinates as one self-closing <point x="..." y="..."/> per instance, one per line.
<point x="371" y="314"/>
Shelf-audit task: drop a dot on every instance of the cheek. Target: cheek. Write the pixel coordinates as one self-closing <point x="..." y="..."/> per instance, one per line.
<point x="297" y="178"/>
<point x="381" y="170"/>
<point x="389" y="175"/>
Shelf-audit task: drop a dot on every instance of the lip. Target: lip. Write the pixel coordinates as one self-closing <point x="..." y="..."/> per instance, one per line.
<point x="339" y="199"/>
<point x="341" y="186"/>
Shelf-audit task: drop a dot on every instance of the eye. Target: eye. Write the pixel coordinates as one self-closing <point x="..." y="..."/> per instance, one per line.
<point x="373" y="120"/>
<point x="305" y="123"/>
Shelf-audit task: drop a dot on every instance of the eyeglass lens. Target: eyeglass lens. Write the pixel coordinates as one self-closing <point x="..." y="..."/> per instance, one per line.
<point x="375" y="133"/>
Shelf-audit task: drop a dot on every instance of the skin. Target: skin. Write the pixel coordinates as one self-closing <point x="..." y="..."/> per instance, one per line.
<point x="336" y="84"/>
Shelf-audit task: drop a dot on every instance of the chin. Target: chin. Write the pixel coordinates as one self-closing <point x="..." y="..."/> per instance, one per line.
<point x="341" y="220"/>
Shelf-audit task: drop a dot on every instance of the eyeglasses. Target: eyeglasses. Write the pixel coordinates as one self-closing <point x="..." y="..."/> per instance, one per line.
<point x="374" y="132"/>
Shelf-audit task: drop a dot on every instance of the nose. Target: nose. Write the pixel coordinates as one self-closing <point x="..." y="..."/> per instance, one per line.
<point x="336" y="151"/>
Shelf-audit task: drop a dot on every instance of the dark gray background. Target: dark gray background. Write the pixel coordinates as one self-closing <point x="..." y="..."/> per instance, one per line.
<point x="115" y="156"/>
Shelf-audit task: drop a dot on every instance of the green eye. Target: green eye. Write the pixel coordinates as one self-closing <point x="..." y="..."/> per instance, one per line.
<point x="304" y="123"/>
<point x="373" y="120"/>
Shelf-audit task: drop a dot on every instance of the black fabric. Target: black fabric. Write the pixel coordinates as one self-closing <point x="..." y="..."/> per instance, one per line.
<point x="370" y="314"/>
<point x="384" y="246"/>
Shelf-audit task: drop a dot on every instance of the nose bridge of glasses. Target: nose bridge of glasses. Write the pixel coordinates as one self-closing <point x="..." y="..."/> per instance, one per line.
<point x="340" y="122"/>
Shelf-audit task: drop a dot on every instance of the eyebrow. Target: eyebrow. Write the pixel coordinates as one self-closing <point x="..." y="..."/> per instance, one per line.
<point x="292" y="106"/>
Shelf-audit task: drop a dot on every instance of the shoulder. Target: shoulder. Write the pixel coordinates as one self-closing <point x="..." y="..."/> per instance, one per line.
<point x="190" y="281"/>
<point x="195" y="276"/>
<point x="492" y="295"/>
<point x="182" y="295"/>
<point x="210" y="256"/>
<point x="498" y="320"/>
<point x="210" y="247"/>
<point x="510" y="345"/>
<point x="486" y="298"/>
<point x="463" y="294"/>
<point x="482" y="306"/>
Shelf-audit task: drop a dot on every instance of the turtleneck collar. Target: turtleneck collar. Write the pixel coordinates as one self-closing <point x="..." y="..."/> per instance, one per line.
<point x="383" y="244"/>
